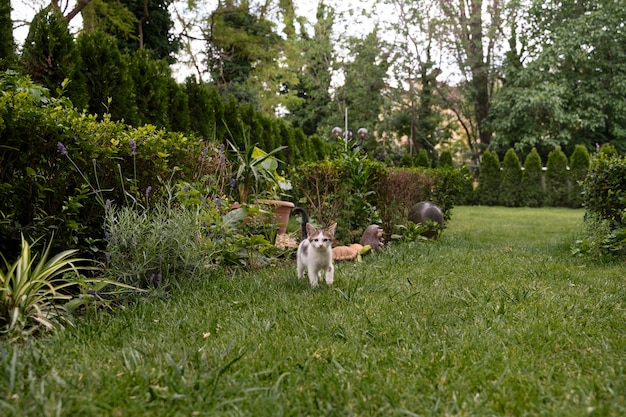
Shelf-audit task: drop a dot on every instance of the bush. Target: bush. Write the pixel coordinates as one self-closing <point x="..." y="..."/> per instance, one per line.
<point x="604" y="196"/>
<point x="56" y="160"/>
<point x="532" y="194"/>
<point x="445" y="159"/>
<point x="511" y="180"/>
<point x="421" y="159"/>
<point x="342" y="190"/>
<point x="489" y="179"/>
<point x="578" y="169"/>
<point x="556" y="179"/>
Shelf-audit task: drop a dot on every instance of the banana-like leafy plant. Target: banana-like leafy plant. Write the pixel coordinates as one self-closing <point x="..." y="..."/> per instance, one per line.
<point x="32" y="290"/>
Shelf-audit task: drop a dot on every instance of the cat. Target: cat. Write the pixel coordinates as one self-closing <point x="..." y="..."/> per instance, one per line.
<point x="315" y="254"/>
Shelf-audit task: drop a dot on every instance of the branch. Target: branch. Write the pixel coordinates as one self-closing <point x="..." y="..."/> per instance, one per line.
<point x="79" y="8"/>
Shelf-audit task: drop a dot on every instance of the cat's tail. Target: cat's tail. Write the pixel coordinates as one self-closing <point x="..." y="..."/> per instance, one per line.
<point x="305" y="219"/>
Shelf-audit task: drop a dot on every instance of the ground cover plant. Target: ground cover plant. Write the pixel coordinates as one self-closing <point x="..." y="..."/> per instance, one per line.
<point x="494" y="318"/>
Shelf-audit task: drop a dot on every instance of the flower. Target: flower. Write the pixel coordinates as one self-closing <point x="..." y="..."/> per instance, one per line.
<point x="133" y="147"/>
<point x="148" y="191"/>
<point x="62" y="148"/>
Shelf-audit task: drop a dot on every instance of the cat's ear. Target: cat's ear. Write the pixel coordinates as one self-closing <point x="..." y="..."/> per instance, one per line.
<point x="310" y="230"/>
<point x="331" y="229"/>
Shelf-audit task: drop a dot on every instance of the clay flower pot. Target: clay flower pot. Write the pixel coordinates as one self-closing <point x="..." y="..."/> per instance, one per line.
<point x="281" y="210"/>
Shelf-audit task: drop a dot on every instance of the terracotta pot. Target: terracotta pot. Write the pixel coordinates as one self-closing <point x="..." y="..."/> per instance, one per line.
<point x="281" y="210"/>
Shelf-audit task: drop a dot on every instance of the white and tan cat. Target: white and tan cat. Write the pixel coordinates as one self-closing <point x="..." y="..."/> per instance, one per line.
<point x="315" y="254"/>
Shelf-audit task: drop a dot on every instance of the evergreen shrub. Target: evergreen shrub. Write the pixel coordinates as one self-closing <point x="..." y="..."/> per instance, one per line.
<point x="489" y="179"/>
<point x="43" y="192"/>
<point x="604" y="198"/>
<point x="511" y="180"/>
<point x="578" y="169"/>
<point x="532" y="193"/>
<point x="557" y="179"/>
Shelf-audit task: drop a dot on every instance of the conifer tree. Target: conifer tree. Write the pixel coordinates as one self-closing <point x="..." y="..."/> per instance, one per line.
<point x="511" y="180"/>
<point x="50" y="56"/>
<point x="107" y="77"/>
<point x="421" y="160"/>
<point x="150" y="80"/>
<point x="532" y="181"/>
<point x="556" y="179"/>
<point x="489" y="179"/>
<point x="445" y="160"/>
<point x="7" y="42"/>
<point x="578" y="169"/>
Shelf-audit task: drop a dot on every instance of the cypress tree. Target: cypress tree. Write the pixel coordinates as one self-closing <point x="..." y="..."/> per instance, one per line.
<point x="7" y="42"/>
<point x="50" y="56"/>
<point x="578" y="169"/>
<point x="489" y="179"/>
<point x="556" y="179"/>
<point x="511" y="180"/>
<point x="107" y="76"/>
<point x="532" y="180"/>
<point x="150" y="80"/>
<point x="445" y="159"/>
<point x="178" y="107"/>
<point x="421" y="160"/>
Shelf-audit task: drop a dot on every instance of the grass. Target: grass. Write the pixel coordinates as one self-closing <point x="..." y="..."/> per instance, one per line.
<point x="495" y="318"/>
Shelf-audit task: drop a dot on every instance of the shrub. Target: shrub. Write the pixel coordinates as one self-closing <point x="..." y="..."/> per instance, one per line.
<point x="50" y="56"/>
<point x="42" y="191"/>
<point x="532" y="194"/>
<point x="422" y="160"/>
<point x="399" y="190"/>
<point x="604" y="196"/>
<point x="342" y="190"/>
<point x="578" y="169"/>
<point x="556" y="179"/>
<point x="489" y="179"/>
<point x="511" y="180"/>
<point x="445" y="159"/>
<point x="33" y="291"/>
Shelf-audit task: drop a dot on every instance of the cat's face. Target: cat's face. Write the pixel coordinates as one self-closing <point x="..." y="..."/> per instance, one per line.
<point x="322" y="238"/>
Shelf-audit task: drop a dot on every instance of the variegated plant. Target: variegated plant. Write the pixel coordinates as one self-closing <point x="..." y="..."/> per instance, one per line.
<point x="31" y="290"/>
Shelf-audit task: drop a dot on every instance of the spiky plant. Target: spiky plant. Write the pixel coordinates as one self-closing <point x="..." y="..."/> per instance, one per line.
<point x="31" y="290"/>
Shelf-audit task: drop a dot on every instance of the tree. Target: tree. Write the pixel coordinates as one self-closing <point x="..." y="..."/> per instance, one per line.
<point x="364" y="82"/>
<point x="311" y="113"/>
<point x="50" y="56"/>
<point x="151" y="87"/>
<point x="571" y="88"/>
<point x="579" y="163"/>
<point x="511" y="180"/>
<point x="414" y="108"/>
<point x="489" y="179"/>
<point x="472" y="31"/>
<point x="110" y="86"/>
<point x="7" y="41"/>
<point x="532" y="194"/>
<point x="556" y="179"/>
<point x="245" y="56"/>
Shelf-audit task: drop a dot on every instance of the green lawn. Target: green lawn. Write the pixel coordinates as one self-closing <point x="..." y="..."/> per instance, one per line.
<point x="495" y="318"/>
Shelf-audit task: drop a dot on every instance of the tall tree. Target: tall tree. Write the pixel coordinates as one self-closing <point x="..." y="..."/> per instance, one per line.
<point x="50" y="55"/>
<point x="109" y="83"/>
<point x="414" y="110"/>
<point x="246" y="57"/>
<point x="572" y="88"/>
<point x="361" y="93"/>
<point x="473" y="32"/>
<point x="314" y="77"/>
<point x="7" y="42"/>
